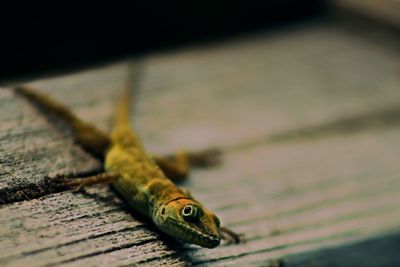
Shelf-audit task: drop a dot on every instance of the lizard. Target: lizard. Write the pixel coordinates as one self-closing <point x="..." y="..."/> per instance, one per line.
<point x="139" y="178"/>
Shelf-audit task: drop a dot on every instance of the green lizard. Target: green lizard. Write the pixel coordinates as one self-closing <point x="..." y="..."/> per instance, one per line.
<point x="139" y="178"/>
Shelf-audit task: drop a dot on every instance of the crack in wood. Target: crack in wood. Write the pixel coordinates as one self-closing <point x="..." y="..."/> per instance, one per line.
<point x="105" y="251"/>
<point x="127" y="229"/>
<point x="382" y="119"/>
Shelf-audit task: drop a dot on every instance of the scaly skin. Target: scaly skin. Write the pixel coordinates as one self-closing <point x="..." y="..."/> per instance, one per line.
<point x="137" y="177"/>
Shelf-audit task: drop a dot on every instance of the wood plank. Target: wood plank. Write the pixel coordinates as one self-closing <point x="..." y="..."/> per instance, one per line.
<point x="356" y="205"/>
<point x="370" y="251"/>
<point x="335" y="187"/>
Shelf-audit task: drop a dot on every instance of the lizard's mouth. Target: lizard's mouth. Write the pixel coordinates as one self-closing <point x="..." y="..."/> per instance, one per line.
<point x="190" y="234"/>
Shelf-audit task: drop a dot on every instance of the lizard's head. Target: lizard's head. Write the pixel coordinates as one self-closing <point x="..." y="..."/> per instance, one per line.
<point x="189" y="221"/>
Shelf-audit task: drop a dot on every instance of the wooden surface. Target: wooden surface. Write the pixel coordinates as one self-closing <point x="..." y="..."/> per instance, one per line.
<point x="309" y="121"/>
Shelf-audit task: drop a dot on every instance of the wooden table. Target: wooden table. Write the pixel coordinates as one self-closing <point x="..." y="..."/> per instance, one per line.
<point x="308" y="116"/>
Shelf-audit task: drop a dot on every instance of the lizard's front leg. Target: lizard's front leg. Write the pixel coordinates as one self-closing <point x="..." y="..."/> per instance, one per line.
<point x="176" y="166"/>
<point x="230" y="236"/>
<point x="71" y="183"/>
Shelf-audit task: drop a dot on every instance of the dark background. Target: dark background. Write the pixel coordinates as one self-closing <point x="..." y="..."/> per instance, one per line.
<point x="40" y="39"/>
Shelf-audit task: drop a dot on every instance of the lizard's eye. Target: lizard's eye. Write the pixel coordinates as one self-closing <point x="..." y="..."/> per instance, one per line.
<point x="189" y="213"/>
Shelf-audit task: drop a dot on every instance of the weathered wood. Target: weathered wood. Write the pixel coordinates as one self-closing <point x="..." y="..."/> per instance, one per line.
<point x="370" y="251"/>
<point x="336" y="188"/>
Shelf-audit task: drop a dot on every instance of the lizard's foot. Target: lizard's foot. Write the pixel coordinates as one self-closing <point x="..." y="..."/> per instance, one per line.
<point x="230" y="236"/>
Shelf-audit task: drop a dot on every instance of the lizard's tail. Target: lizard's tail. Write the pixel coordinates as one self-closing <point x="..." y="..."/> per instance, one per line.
<point x="91" y="138"/>
<point x="122" y="115"/>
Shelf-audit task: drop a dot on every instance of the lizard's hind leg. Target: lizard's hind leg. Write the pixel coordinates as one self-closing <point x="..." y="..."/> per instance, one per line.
<point x="176" y="166"/>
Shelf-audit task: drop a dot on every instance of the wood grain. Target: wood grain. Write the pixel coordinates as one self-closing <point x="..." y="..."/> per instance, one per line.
<point x="310" y="131"/>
